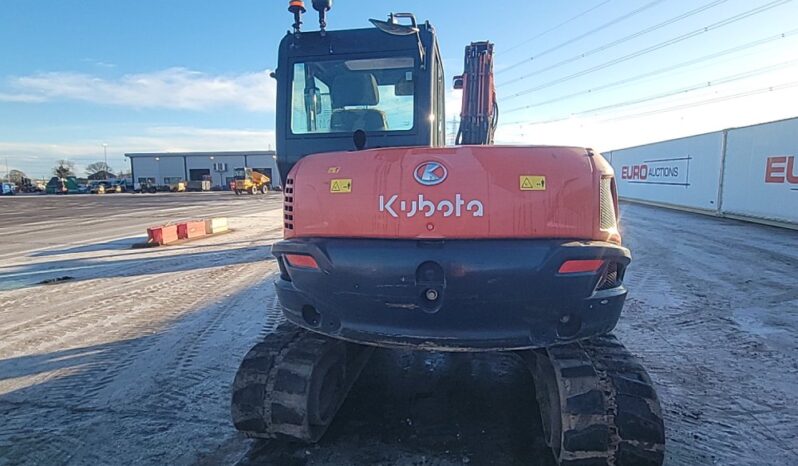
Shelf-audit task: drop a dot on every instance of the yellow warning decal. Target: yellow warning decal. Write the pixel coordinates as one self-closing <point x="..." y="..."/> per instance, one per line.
<point x="532" y="183"/>
<point x="341" y="186"/>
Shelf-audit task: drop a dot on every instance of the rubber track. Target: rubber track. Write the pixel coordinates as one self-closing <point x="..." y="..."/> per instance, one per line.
<point x="609" y="409"/>
<point x="272" y="387"/>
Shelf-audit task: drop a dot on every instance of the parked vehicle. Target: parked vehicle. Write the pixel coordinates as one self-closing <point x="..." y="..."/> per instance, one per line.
<point x="177" y="187"/>
<point x="146" y="187"/>
<point x="250" y="181"/>
<point x="199" y="185"/>
<point x="67" y="185"/>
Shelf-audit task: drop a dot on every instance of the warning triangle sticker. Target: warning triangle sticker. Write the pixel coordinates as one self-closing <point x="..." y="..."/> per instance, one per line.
<point x="526" y="183"/>
<point x="335" y="187"/>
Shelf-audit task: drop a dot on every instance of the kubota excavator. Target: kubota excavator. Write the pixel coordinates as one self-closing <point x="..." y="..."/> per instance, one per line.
<point x="394" y="240"/>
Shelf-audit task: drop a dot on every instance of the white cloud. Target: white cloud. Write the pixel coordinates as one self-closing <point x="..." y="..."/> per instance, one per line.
<point x="99" y="63"/>
<point x="172" y="88"/>
<point x="24" y="98"/>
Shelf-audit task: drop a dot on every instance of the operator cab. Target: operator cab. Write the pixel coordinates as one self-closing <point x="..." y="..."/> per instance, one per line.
<point x="242" y="173"/>
<point x="361" y="88"/>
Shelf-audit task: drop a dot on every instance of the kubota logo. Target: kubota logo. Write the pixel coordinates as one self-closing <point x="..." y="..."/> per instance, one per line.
<point x="430" y="173"/>
<point x="428" y="208"/>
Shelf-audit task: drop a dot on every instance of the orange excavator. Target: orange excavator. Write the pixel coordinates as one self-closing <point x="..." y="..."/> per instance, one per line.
<point x="394" y="240"/>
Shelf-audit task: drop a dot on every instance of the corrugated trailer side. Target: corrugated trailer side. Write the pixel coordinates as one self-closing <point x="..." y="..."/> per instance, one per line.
<point x="682" y="173"/>
<point x="760" y="178"/>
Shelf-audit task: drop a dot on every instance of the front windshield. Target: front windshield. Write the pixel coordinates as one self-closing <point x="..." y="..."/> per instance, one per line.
<point x="342" y="96"/>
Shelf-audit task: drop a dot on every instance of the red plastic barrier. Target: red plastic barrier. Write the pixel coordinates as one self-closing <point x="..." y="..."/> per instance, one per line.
<point x="191" y="229"/>
<point x="163" y="234"/>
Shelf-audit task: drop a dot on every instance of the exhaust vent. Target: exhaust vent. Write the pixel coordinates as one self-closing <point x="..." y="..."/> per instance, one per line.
<point x="288" y="204"/>
<point x="612" y="277"/>
<point x="608" y="220"/>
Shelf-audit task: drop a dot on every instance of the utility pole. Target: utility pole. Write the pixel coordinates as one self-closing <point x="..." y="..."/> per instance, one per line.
<point x="105" y="154"/>
<point x="454" y="130"/>
<point x="158" y="171"/>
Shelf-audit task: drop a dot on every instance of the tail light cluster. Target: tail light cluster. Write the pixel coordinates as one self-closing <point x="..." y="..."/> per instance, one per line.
<point x="288" y="204"/>
<point x="611" y="272"/>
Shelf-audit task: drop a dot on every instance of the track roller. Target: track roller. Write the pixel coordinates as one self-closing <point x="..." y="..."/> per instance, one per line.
<point x="597" y="404"/>
<point x="293" y="383"/>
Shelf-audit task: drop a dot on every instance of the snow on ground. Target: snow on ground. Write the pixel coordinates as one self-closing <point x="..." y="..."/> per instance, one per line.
<point x="130" y="360"/>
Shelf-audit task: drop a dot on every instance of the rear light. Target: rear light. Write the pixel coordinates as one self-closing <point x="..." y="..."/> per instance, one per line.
<point x="581" y="266"/>
<point x="301" y="261"/>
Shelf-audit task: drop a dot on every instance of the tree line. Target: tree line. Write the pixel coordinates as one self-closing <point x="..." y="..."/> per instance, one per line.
<point x="66" y="168"/>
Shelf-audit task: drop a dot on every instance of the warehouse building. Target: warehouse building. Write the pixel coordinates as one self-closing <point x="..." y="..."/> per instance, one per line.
<point x="166" y="168"/>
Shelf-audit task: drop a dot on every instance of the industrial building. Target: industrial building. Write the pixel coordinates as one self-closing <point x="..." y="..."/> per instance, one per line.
<point x="166" y="168"/>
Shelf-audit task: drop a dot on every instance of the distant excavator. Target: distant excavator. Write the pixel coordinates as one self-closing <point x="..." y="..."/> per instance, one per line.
<point x="249" y="181"/>
<point x="392" y="239"/>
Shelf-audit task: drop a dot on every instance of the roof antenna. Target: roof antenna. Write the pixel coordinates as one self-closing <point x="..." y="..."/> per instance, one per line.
<point x="297" y="7"/>
<point x="322" y="6"/>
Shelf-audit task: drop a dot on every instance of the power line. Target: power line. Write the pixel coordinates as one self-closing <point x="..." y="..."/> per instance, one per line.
<point x="652" y="48"/>
<point x="609" y="45"/>
<point x="682" y="90"/>
<point x="763" y="90"/>
<point x="695" y="87"/>
<point x="582" y="36"/>
<point x="658" y="71"/>
<point x="554" y="28"/>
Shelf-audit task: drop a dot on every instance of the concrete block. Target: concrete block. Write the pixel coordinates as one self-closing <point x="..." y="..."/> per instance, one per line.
<point x="216" y="225"/>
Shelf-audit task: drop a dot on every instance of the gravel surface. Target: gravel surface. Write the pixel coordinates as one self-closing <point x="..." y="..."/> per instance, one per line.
<point x="130" y="358"/>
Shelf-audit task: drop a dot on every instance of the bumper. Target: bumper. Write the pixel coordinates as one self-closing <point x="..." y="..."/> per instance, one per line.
<point x="452" y="294"/>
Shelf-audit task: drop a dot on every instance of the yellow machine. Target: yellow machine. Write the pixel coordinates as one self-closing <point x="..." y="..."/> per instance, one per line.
<point x="177" y="187"/>
<point x="249" y="181"/>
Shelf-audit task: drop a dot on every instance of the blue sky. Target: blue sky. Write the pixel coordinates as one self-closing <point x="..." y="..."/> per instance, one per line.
<point x="152" y="75"/>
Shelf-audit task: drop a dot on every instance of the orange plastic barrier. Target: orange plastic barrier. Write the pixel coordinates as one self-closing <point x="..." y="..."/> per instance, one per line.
<point x="191" y="229"/>
<point x="163" y="234"/>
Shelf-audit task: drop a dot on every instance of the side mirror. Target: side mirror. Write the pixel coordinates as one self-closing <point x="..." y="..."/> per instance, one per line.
<point x="458" y="82"/>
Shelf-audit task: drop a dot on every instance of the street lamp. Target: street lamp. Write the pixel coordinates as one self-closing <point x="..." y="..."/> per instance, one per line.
<point x="105" y="154"/>
<point x="157" y="170"/>
<point x="214" y="169"/>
